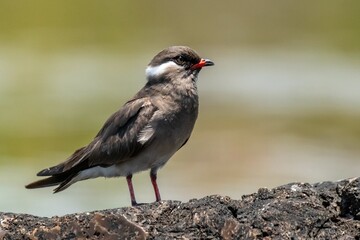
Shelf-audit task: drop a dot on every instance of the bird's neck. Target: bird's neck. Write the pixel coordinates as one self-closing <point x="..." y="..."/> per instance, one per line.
<point x="178" y="87"/>
<point x="181" y="93"/>
<point x="185" y="87"/>
<point x="184" y="93"/>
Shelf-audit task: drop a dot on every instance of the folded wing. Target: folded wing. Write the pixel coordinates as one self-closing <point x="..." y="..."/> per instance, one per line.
<point x="123" y="135"/>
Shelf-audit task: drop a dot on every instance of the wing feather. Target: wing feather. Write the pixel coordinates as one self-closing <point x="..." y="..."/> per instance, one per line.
<point x="117" y="141"/>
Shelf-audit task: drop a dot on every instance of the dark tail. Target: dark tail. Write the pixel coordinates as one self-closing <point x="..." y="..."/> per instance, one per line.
<point x="47" y="182"/>
<point x="62" y="174"/>
<point x="63" y="180"/>
<point x="72" y="163"/>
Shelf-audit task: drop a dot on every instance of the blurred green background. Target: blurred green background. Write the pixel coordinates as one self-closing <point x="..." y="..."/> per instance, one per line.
<point x="282" y="103"/>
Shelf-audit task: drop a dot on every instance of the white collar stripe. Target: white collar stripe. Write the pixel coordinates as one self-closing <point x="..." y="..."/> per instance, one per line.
<point x="159" y="70"/>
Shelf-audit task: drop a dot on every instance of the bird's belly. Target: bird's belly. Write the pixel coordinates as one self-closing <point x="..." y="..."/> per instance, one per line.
<point x="143" y="162"/>
<point x="149" y="159"/>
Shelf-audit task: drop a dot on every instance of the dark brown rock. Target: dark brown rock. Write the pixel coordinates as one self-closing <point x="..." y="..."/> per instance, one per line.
<point x="328" y="210"/>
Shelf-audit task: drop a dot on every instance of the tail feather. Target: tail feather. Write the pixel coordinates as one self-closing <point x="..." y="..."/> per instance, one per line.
<point x="66" y="183"/>
<point x="76" y="160"/>
<point x="58" y="169"/>
<point x="47" y="182"/>
<point x="63" y="180"/>
<point x="63" y="174"/>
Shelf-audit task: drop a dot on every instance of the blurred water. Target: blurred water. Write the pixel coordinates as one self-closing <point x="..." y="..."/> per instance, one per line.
<point x="267" y="117"/>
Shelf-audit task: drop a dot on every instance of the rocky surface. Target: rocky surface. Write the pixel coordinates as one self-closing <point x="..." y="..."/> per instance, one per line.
<point x="327" y="210"/>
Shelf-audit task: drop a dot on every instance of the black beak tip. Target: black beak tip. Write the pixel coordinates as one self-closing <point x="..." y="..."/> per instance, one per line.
<point x="208" y="62"/>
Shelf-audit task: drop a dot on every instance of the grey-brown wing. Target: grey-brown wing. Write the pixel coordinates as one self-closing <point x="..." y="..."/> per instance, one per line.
<point x="121" y="137"/>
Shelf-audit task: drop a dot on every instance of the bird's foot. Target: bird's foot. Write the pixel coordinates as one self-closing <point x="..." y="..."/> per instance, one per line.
<point x="135" y="204"/>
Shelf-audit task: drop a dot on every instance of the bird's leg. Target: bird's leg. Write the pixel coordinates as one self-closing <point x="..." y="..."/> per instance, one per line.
<point x="153" y="176"/>
<point x="131" y="190"/>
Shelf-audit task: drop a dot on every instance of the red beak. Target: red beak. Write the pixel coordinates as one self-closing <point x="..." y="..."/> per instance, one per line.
<point x="202" y="63"/>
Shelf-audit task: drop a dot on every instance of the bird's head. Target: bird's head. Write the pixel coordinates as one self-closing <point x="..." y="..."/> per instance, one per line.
<point x="174" y="63"/>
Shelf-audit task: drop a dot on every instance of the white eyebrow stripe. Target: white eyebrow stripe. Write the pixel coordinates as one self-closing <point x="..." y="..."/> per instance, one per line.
<point x="159" y="70"/>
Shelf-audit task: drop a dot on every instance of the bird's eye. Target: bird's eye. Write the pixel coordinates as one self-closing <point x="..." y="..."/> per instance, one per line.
<point x="179" y="60"/>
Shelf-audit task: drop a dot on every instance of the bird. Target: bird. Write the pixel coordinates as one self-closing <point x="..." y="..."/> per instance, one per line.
<point x="145" y="132"/>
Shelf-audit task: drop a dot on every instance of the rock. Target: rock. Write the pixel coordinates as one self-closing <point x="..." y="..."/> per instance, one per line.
<point x="327" y="210"/>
